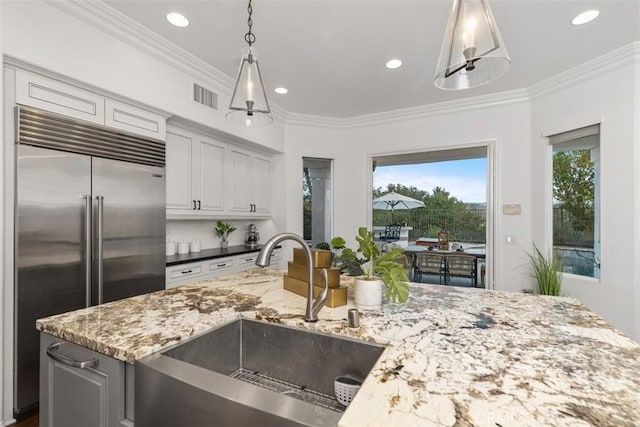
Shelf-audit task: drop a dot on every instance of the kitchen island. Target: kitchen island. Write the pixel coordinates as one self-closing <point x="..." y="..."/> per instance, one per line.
<point x="454" y="356"/>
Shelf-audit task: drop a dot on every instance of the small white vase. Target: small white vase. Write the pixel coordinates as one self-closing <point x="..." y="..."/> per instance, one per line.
<point x="368" y="294"/>
<point x="224" y="244"/>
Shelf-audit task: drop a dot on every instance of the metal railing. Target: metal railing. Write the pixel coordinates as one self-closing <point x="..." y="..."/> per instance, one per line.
<point x="464" y="225"/>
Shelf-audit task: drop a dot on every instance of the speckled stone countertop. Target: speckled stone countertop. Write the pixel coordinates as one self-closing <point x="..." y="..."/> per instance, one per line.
<point x="455" y="357"/>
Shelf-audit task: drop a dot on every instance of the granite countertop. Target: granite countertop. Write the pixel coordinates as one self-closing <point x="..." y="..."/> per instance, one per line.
<point x="454" y="356"/>
<point x="206" y="254"/>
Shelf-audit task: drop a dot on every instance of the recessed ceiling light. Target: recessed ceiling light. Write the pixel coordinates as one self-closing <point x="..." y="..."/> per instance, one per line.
<point x="584" y="17"/>
<point x="177" y="19"/>
<point x="394" y="63"/>
<point x="281" y="90"/>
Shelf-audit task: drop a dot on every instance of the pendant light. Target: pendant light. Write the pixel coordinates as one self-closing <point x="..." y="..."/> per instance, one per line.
<point x="473" y="52"/>
<point x="249" y="105"/>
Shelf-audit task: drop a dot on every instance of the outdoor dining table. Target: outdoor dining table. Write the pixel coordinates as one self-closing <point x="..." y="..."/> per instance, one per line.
<point x="412" y="250"/>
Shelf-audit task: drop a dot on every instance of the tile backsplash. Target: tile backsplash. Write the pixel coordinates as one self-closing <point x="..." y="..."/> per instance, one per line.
<point x="202" y="230"/>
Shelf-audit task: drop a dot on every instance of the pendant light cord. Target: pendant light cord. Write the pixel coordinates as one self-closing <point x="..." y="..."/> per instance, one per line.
<point x="249" y="37"/>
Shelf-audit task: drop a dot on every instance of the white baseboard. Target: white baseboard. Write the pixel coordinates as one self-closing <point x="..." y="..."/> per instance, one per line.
<point x="7" y="423"/>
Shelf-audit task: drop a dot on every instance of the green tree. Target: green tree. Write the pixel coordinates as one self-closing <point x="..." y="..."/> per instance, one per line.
<point x="573" y="186"/>
<point x="441" y="212"/>
<point x="574" y="197"/>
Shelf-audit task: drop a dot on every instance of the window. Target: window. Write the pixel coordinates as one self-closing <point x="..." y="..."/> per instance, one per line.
<point x="576" y="200"/>
<point x="316" y="200"/>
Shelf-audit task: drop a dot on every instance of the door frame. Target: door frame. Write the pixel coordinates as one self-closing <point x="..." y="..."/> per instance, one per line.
<point x="492" y="202"/>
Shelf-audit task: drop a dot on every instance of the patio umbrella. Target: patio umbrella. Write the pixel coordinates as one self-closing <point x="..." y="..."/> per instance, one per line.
<point x="392" y="201"/>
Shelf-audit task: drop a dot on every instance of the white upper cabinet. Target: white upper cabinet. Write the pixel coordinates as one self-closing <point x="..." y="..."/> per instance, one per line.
<point x="179" y="160"/>
<point x="250" y="191"/>
<point x="134" y="120"/>
<point x="241" y="188"/>
<point x="58" y="97"/>
<point x="195" y="174"/>
<point x="262" y="185"/>
<point x="37" y="91"/>
<point x="210" y="179"/>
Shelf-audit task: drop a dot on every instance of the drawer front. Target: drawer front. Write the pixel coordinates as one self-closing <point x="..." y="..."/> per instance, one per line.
<point x="51" y="95"/>
<point x="248" y="259"/>
<point x="221" y="264"/>
<point x="135" y="120"/>
<point x="185" y="271"/>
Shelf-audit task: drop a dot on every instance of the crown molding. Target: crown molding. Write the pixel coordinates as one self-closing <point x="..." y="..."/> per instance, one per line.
<point x="412" y="113"/>
<point x="105" y="18"/>
<point x="611" y="61"/>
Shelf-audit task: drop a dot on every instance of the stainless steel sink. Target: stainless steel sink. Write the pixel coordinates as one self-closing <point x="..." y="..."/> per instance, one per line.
<point x="249" y="373"/>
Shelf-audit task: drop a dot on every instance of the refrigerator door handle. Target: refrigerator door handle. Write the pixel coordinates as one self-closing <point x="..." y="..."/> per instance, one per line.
<point x="66" y="360"/>
<point x="87" y="248"/>
<point x="99" y="251"/>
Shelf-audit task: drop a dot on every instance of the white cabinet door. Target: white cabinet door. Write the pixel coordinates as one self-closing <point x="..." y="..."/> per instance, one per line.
<point x="179" y="159"/>
<point x="241" y="188"/>
<point x="210" y="179"/>
<point x="250" y="188"/>
<point x="79" y="396"/>
<point x="52" y="95"/>
<point x="262" y="185"/>
<point x="195" y="174"/>
<point x="135" y="120"/>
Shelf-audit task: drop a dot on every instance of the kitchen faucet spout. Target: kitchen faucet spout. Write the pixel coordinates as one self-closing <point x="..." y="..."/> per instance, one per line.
<point x="313" y="305"/>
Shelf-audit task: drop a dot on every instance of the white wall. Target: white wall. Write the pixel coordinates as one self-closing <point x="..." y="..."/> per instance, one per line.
<point x="202" y="230"/>
<point x="508" y="125"/>
<point x="607" y="96"/>
<point x="3" y="404"/>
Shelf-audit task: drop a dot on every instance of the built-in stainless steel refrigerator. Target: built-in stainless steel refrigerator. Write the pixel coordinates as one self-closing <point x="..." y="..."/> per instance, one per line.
<point x="90" y="226"/>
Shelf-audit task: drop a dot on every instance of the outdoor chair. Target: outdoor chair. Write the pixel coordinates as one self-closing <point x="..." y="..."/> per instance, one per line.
<point x="427" y="263"/>
<point x="461" y="266"/>
<point x="391" y="233"/>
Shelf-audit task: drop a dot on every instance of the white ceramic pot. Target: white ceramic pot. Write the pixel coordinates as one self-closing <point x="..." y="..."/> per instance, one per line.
<point x="224" y="244"/>
<point x="368" y="294"/>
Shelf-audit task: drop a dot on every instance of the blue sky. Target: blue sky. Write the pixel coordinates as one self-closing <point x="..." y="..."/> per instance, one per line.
<point x="464" y="179"/>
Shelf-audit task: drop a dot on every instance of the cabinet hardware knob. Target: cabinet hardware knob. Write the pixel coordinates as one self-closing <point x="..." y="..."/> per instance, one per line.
<point x="186" y="272"/>
<point x="194" y="205"/>
<point x="222" y="265"/>
<point x="198" y="204"/>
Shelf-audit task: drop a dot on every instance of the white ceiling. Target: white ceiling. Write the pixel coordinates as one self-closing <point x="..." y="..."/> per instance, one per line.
<point x="331" y="54"/>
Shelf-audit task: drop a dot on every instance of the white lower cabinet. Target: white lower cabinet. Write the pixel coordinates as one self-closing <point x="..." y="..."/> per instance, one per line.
<point x="183" y="274"/>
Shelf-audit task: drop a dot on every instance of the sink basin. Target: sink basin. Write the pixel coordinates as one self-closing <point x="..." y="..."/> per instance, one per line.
<point x="249" y="372"/>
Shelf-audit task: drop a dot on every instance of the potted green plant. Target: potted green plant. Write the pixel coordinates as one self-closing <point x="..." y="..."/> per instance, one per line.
<point x="547" y="269"/>
<point x="222" y="230"/>
<point x="378" y="270"/>
<point x="346" y="259"/>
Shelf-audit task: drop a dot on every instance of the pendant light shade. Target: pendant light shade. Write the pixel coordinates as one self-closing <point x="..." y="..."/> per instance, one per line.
<point x="473" y="52"/>
<point x="249" y="105"/>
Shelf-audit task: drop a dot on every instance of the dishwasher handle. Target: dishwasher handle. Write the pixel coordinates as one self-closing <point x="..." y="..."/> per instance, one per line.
<point x="66" y="360"/>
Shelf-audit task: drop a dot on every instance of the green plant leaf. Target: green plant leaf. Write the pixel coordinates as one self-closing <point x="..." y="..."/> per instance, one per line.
<point x="338" y="242"/>
<point x="547" y="270"/>
<point x="323" y="245"/>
